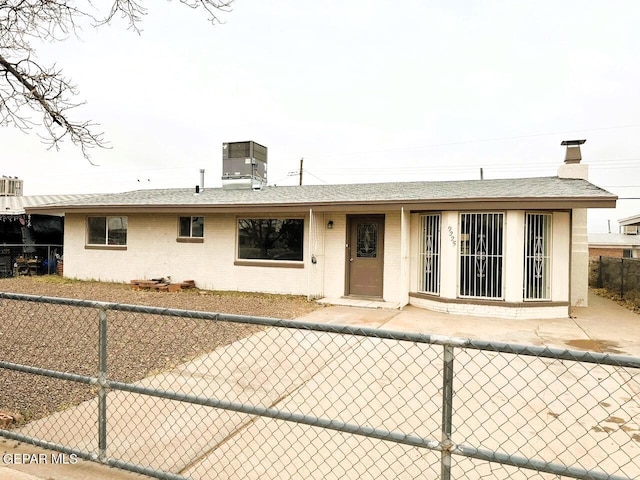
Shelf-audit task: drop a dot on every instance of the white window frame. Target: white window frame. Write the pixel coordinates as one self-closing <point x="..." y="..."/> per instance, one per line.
<point x="537" y="256"/>
<point x="429" y="254"/>
<point x="481" y="256"/>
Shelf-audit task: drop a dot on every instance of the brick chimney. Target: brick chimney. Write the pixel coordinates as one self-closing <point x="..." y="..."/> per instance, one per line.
<point x="572" y="168"/>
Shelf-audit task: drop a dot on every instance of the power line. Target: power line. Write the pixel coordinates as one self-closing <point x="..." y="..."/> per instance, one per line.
<point x="316" y="177"/>
<point x="444" y="170"/>
<point x="481" y="140"/>
<point x="629" y="163"/>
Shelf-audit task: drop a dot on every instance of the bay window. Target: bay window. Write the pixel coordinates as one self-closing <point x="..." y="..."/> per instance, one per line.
<point x="429" y="265"/>
<point x="481" y="255"/>
<point x="537" y="256"/>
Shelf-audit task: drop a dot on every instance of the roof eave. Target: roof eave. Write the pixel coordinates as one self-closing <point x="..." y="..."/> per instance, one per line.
<point x="441" y="203"/>
<point x="629" y="220"/>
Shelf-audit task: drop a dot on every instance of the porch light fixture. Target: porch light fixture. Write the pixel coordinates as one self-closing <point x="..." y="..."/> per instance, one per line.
<point x="330" y="224"/>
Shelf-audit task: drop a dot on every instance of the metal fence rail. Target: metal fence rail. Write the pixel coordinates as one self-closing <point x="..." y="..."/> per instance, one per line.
<point x="183" y="394"/>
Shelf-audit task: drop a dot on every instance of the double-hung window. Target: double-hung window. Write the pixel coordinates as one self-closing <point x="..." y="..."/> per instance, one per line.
<point x="107" y="231"/>
<point x="191" y="227"/>
<point x="481" y="255"/>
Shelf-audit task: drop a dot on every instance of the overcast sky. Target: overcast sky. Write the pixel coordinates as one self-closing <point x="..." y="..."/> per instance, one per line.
<point x="364" y="91"/>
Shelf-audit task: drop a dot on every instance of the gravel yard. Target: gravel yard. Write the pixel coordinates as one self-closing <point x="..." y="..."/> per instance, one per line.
<point x="65" y="338"/>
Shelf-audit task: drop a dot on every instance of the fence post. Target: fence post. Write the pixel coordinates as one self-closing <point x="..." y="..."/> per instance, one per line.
<point x="447" y="413"/>
<point x="622" y="278"/>
<point x="102" y="390"/>
<point x="600" y="272"/>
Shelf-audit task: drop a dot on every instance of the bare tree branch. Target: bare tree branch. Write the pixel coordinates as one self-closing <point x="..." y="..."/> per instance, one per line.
<point x="27" y="88"/>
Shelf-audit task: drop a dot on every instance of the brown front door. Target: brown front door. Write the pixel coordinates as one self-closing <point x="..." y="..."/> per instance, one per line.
<point x="365" y="247"/>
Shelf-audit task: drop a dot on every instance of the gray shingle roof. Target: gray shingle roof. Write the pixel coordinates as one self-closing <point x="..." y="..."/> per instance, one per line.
<point x="15" y="205"/>
<point x="411" y="192"/>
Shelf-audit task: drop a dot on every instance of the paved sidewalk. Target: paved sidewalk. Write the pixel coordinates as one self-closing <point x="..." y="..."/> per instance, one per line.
<point x="603" y="326"/>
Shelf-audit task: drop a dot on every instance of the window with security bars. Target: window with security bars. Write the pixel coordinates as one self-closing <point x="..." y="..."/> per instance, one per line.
<point x="429" y="281"/>
<point x="537" y="256"/>
<point x="481" y="255"/>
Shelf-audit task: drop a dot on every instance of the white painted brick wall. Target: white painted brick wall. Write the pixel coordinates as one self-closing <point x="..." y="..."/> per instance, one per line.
<point x="153" y="252"/>
<point x="392" y="258"/>
<point x="335" y="255"/>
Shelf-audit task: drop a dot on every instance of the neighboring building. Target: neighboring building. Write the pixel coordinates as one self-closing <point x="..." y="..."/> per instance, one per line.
<point x="10" y="186"/>
<point x="25" y="235"/>
<point x="630" y="225"/>
<point x="18" y="227"/>
<point x="625" y="244"/>
<point x="514" y="248"/>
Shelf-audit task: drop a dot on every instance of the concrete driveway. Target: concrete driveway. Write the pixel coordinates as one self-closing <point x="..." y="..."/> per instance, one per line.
<point x="603" y="326"/>
<point x="395" y="386"/>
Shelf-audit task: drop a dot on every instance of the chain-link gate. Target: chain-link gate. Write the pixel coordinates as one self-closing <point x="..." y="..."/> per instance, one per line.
<point x="186" y="394"/>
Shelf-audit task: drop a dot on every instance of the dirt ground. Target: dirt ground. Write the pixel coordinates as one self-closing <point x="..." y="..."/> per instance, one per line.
<point x="65" y="338"/>
<point x="264" y="305"/>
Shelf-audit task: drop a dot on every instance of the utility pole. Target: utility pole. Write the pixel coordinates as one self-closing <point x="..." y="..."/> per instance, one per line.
<point x="301" y="161"/>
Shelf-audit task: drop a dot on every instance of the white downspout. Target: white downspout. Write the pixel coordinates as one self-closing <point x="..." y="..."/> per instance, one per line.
<point x="402" y="240"/>
<point x="311" y="252"/>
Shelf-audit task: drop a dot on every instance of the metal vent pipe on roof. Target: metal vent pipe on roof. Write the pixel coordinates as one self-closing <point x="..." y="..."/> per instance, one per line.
<point x="202" y="179"/>
<point x="573" y="154"/>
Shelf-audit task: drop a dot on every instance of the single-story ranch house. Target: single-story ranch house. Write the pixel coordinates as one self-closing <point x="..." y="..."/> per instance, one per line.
<point x="513" y="248"/>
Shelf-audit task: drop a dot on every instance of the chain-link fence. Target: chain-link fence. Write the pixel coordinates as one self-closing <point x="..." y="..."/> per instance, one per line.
<point x="178" y="394"/>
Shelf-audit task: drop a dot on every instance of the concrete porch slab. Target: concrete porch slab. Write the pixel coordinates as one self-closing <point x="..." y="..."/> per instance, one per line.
<point x="358" y="302"/>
